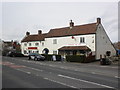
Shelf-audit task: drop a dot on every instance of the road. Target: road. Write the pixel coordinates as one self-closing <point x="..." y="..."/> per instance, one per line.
<point x="22" y="73"/>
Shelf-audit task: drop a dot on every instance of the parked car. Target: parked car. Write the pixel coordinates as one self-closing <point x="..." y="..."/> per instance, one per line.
<point x="105" y="61"/>
<point x="36" y="56"/>
<point x="15" y="54"/>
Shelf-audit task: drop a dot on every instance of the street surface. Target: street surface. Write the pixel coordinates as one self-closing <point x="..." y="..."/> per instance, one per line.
<point x="18" y="72"/>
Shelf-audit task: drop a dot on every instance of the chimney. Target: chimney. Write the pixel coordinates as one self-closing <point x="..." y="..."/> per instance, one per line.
<point x="71" y="23"/>
<point x="99" y="20"/>
<point x="27" y="33"/>
<point x="39" y="31"/>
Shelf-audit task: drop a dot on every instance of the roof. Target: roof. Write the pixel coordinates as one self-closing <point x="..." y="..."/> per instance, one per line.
<point x="36" y="37"/>
<point x="74" y="48"/>
<point x="65" y="31"/>
<point x="76" y="30"/>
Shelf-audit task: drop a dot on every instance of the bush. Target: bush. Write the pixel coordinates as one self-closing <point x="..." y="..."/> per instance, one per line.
<point x="76" y="58"/>
<point x="89" y="59"/>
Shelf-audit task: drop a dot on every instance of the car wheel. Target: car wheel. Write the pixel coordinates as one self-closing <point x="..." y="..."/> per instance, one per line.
<point x="35" y="59"/>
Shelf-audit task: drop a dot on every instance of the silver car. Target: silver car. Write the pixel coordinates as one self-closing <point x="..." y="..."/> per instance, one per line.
<point x="36" y="56"/>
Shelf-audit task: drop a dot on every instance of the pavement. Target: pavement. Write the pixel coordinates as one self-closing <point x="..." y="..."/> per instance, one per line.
<point x="22" y="73"/>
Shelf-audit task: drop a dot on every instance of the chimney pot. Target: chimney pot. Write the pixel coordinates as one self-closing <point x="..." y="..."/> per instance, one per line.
<point x="99" y="20"/>
<point x="39" y="31"/>
<point x="27" y="33"/>
<point x="71" y="23"/>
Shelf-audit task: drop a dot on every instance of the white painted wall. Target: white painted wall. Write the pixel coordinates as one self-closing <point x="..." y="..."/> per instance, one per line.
<point x="103" y="43"/>
<point x="61" y="41"/>
<point x="40" y="47"/>
<point x="68" y="41"/>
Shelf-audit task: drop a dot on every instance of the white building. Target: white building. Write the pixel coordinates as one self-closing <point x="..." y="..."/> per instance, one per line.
<point x="88" y="39"/>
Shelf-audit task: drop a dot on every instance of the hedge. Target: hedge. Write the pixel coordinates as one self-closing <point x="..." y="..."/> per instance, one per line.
<point x="76" y="58"/>
<point x="48" y="57"/>
<point x="80" y="58"/>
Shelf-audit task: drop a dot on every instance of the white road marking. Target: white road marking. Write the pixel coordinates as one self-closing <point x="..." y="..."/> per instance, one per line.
<point x="85" y="81"/>
<point x="93" y="73"/>
<point x="23" y="71"/>
<point x="117" y="77"/>
<point x="60" y="83"/>
<point x="35" y="69"/>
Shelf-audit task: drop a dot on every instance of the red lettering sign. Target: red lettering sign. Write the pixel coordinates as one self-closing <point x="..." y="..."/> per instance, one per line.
<point x="32" y="47"/>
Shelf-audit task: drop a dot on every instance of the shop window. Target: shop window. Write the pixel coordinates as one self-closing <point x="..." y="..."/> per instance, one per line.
<point x="54" y="52"/>
<point x="25" y="52"/>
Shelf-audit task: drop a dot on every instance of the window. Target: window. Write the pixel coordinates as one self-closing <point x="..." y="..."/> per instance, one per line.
<point x="29" y="44"/>
<point x="25" y="52"/>
<point x="42" y="43"/>
<point x="25" y="44"/>
<point x="37" y="51"/>
<point x="54" y="41"/>
<point x="54" y="52"/>
<point x="36" y="44"/>
<point x="82" y="40"/>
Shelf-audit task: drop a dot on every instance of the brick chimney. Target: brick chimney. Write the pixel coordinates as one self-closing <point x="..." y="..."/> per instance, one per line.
<point x="39" y="31"/>
<point x="27" y="33"/>
<point x="71" y="23"/>
<point x="99" y="20"/>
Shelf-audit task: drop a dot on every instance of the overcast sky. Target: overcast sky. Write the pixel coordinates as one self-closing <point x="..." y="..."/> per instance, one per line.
<point x="19" y="17"/>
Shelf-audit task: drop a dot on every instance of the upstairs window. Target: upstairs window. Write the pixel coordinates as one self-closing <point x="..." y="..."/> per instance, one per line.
<point x="36" y="44"/>
<point x="25" y="44"/>
<point x="42" y="43"/>
<point x="29" y="44"/>
<point x="54" y="41"/>
<point x="82" y="40"/>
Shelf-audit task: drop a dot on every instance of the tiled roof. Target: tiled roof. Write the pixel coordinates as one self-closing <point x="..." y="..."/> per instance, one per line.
<point x="36" y="37"/>
<point x="66" y="31"/>
<point x="76" y="30"/>
<point x="74" y="48"/>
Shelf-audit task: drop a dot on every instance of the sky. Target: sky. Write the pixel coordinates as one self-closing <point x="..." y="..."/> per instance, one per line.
<point x="20" y="17"/>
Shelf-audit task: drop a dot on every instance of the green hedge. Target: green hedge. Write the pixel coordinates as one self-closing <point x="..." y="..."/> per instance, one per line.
<point x="76" y="58"/>
<point x="80" y="58"/>
<point x="48" y="57"/>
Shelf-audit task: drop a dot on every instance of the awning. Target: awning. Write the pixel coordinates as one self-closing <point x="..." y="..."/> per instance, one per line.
<point x="74" y="48"/>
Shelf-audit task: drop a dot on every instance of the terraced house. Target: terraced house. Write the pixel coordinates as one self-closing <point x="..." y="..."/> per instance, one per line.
<point x="89" y="39"/>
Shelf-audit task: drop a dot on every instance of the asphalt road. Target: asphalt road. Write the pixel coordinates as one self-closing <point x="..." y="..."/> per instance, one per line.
<point x="23" y="73"/>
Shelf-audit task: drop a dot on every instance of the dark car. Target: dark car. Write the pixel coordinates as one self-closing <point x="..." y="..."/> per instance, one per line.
<point x="36" y="56"/>
<point x="105" y="61"/>
<point x="15" y="54"/>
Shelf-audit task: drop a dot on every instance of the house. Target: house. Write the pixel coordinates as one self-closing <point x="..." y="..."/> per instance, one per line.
<point x="10" y="46"/>
<point x="88" y="39"/>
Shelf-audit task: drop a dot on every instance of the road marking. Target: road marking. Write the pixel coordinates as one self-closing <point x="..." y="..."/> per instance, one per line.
<point x="85" y="81"/>
<point x="23" y="71"/>
<point x="117" y="77"/>
<point x="60" y="83"/>
<point x="93" y="73"/>
<point x="109" y="66"/>
<point x="35" y="69"/>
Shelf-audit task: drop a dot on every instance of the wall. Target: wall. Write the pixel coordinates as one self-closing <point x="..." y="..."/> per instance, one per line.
<point x="68" y="41"/>
<point x="103" y="43"/>
<point x="61" y="41"/>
